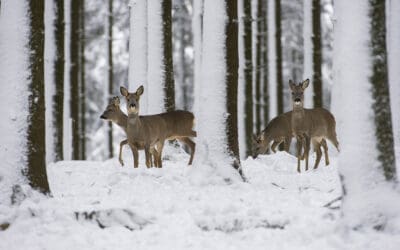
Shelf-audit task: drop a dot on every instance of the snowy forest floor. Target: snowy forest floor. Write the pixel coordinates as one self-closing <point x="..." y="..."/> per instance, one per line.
<point x="100" y="205"/>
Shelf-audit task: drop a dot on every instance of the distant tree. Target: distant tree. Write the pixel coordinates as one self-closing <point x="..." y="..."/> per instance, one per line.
<point x="169" y="85"/>
<point x="317" y="53"/>
<point x="58" y="98"/>
<point x="380" y="89"/>
<point x="248" y="75"/>
<point x="264" y="50"/>
<point x="110" y="72"/>
<point x="74" y="79"/>
<point x="232" y="65"/>
<point x="258" y="66"/>
<point x="278" y="37"/>
<point x="82" y="85"/>
<point x="36" y="143"/>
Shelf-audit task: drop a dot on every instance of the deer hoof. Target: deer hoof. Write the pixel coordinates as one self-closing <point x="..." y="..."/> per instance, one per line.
<point x="121" y="162"/>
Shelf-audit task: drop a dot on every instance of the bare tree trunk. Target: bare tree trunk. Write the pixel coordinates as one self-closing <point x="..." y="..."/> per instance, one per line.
<point x="74" y="79"/>
<point x="36" y="143"/>
<point x="110" y="74"/>
<point x="265" y="91"/>
<point x="317" y="53"/>
<point x="278" y="36"/>
<point x="380" y="90"/>
<point x="258" y="67"/>
<point x="167" y="56"/>
<point x="232" y="66"/>
<point x="82" y="125"/>
<point x="58" y="98"/>
<point x="248" y="74"/>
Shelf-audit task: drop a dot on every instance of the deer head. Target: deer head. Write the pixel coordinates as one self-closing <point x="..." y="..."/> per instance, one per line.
<point x="298" y="92"/>
<point x="132" y="99"/>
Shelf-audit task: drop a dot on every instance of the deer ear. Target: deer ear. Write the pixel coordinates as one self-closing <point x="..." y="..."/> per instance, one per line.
<point x="304" y="84"/>
<point x="254" y="137"/>
<point x="292" y="84"/>
<point x="140" y="90"/>
<point x="124" y="91"/>
<point x="116" y="101"/>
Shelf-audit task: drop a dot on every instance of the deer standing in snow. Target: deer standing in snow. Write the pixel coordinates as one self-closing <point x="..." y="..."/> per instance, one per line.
<point x="316" y="124"/>
<point x="153" y="130"/>
<point x="279" y="130"/>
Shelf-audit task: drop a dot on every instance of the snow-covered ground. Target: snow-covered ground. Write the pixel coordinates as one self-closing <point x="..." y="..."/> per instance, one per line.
<point x="180" y="207"/>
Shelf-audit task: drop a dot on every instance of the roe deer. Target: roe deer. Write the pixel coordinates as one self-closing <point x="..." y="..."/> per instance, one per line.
<point x="310" y="124"/>
<point x="279" y="130"/>
<point x="114" y="114"/>
<point x="155" y="129"/>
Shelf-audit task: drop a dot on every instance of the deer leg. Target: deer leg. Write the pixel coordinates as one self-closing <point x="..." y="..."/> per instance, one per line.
<point x="121" y="144"/>
<point x="288" y="141"/>
<point x="153" y="157"/>
<point x="325" y="146"/>
<point x="188" y="142"/>
<point x="274" y="145"/>
<point x="148" y="156"/>
<point x="135" y="154"/>
<point x="299" y="147"/>
<point x="160" y="146"/>
<point x="307" y="149"/>
<point x="317" y="149"/>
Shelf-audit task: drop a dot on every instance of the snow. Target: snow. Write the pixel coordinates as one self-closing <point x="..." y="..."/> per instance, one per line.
<point x="308" y="51"/>
<point x="13" y="94"/>
<point x="352" y="102"/>
<point x="272" y="75"/>
<point x="67" y="127"/>
<point x="138" y="49"/>
<point x="155" y="66"/>
<point x="174" y="208"/>
<point x="49" y="57"/>
<point x="393" y="40"/>
<point x="241" y="84"/>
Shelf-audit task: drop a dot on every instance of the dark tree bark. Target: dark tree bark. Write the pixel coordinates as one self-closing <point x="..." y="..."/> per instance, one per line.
<point x="258" y="67"/>
<point x="167" y="56"/>
<point x="380" y="90"/>
<point x="317" y="53"/>
<point x="278" y="36"/>
<point x="248" y="74"/>
<point x="58" y="98"/>
<point x="110" y="74"/>
<point x="74" y="79"/>
<point x="82" y="101"/>
<point x="265" y="91"/>
<point x="232" y="65"/>
<point x="36" y="143"/>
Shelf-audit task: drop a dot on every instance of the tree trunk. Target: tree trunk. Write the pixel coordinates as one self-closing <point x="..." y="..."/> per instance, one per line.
<point x="82" y="110"/>
<point x="74" y="79"/>
<point x="232" y="65"/>
<point x="380" y="90"/>
<point x="258" y="67"/>
<point x="265" y="91"/>
<point x="58" y="98"/>
<point x="248" y="75"/>
<point x="169" y="86"/>
<point x="278" y="36"/>
<point x="110" y="74"/>
<point x="317" y="53"/>
<point x="36" y="143"/>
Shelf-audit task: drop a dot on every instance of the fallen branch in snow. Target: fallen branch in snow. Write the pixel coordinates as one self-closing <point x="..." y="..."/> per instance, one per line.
<point x="276" y="185"/>
<point x="114" y="217"/>
<point x="328" y="205"/>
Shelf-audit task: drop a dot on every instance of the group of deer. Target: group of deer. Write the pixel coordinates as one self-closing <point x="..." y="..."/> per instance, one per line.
<point x="149" y="132"/>
<point x="306" y="125"/>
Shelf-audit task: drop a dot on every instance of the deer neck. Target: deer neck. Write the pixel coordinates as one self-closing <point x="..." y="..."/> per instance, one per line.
<point x="298" y="119"/>
<point x="122" y="120"/>
<point x="134" y="120"/>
